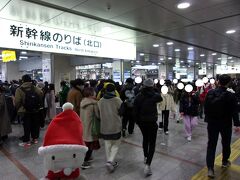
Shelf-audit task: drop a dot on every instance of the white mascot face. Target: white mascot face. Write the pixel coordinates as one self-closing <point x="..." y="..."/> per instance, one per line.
<point x="67" y="160"/>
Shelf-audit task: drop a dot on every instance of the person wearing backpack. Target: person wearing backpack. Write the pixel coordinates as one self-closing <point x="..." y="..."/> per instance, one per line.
<point x="220" y="109"/>
<point x="28" y="102"/>
<point x="128" y="95"/>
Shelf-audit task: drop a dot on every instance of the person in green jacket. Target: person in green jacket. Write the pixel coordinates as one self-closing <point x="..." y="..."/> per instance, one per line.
<point x="63" y="94"/>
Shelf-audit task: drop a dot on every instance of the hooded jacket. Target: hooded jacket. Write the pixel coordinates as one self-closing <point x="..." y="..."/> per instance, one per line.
<point x="189" y="104"/>
<point x="145" y="106"/>
<point x="89" y="110"/>
<point x="111" y="122"/>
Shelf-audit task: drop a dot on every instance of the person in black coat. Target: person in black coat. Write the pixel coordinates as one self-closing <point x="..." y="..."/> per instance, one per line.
<point x="145" y="109"/>
<point x="220" y="110"/>
<point x="189" y="105"/>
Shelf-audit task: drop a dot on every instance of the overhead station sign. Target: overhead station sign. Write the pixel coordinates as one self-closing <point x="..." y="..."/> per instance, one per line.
<point x="19" y="35"/>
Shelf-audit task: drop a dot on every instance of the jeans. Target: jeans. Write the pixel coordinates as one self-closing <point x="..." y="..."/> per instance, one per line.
<point x="213" y="131"/>
<point x="31" y="126"/>
<point x="165" y="120"/>
<point x="149" y="132"/>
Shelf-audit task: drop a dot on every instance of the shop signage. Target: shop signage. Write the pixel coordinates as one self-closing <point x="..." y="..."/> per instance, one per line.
<point x="19" y="35"/>
<point x="8" y="56"/>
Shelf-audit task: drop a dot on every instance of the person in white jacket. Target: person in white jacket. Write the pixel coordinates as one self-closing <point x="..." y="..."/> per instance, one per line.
<point x="164" y="108"/>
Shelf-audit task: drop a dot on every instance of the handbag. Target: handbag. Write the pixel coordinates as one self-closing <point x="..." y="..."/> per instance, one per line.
<point x="95" y="125"/>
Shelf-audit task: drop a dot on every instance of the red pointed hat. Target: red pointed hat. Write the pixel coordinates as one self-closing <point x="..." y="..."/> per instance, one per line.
<point x="64" y="132"/>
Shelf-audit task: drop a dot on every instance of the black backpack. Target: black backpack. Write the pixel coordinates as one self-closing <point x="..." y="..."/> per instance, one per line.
<point x="32" y="100"/>
<point x="216" y="104"/>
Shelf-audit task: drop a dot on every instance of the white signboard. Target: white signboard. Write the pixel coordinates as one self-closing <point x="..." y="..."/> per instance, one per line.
<point x="19" y="35"/>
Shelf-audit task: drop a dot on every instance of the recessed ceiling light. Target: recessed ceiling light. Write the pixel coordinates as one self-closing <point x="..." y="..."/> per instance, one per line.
<point x="182" y="61"/>
<point x="197" y="63"/>
<point x="219" y="58"/>
<point x="23" y="57"/>
<point x="155" y="45"/>
<point x="137" y="61"/>
<point x="216" y="64"/>
<point x="232" y="61"/>
<point x="189" y="61"/>
<point x="231" y="31"/>
<point x="209" y="64"/>
<point x="161" y="59"/>
<point x="159" y="63"/>
<point x="183" y="66"/>
<point x="214" y="54"/>
<point x="204" y="63"/>
<point x="202" y="55"/>
<point x="177" y="50"/>
<point x="190" y="48"/>
<point x="230" y="57"/>
<point x="183" y="5"/>
<point x="23" y="52"/>
<point x="141" y="54"/>
<point x="169" y="43"/>
<point x="169" y="58"/>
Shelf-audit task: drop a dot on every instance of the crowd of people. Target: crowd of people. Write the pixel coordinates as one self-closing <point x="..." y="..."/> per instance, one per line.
<point x="118" y="108"/>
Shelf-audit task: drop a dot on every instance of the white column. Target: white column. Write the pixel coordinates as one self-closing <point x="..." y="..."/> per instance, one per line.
<point x="116" y="67"/>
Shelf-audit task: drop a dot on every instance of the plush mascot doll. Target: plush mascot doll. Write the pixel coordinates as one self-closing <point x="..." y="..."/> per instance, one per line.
<point x="63" y="148"/>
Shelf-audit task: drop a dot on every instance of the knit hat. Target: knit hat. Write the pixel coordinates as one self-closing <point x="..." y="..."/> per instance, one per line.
<point x="148" y="82"/>
<point x="64" y="132"/>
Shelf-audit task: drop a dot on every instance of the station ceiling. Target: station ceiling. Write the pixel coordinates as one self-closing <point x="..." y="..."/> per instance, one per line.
<point x="202" y="26"/>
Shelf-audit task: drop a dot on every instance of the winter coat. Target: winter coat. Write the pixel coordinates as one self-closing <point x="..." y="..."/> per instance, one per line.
<point x="189" y="104"/>
<point x="89" y="110"/>
<point x="226" y="113"/>
<point x="111" y="123"/>
<point x="49" y="103"/>
<point x="63" y="95"/>
<point x="20" y="95"/>
<point x="5" y="124"/>
<point x="145" y="106"/>
<point x="167" y="103"/>
<point x="75" y="97"/>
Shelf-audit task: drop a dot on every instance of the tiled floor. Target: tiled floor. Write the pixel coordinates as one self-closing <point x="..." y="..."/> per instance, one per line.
<point x="175" y="158"/>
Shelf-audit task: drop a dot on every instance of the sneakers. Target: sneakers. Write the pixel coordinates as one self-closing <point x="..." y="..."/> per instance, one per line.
<point x="86" y="165"/>
<point x="147" y="171"/>
<point x="160" y="129"/>
<point x="145" y="160"/>
<point x="166" y="132"/>
<point x="211" y="173"/>
<point x="25" y="144"/>
<point x="34" y="141"/>
<point x="226" y="164"/>
<point x="111" y="166"/>
<point x="189" y="138"/>
<point x="90" y="159"/>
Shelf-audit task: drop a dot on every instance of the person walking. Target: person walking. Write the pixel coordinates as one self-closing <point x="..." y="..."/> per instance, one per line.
<point x="128" y="95"/>
<point x="28" y="102"/>
<point x="89" y="112"/>
<point x="111" y="124"/>
<point x="63" y="93"/>
<point x="220" y="110"/>
<point x="145" y="111"/>
<point x="189" y="106"/>
<point x="165" y="106"/>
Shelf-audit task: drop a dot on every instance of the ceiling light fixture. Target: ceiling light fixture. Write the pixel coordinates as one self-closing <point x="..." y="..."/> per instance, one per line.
<point x="161" y="59"/>
<point x="159" y="63"/>
<point x="169" y="43"/>
<point x="214" y="54"/>
<point x="231" y="31"/>
<point x="232" y="61"/>
<point x="23" y="52"/>
<point x="202" y="55"/>
<point x="23" y="57"/>
<point x="219" y="58"/>
<point x="204" y="63"/>
<point x="183" y="5"/>
<point x="190" y="48"/>
<point x="155" y="45"/>
<point x="197" y="63"/>
<point x="138" y="61"/>
<point x="169" y="58"/>
<point x="141" y="54"/>
<point x="182" y="61"/>
<point x="177" y="50"/>
<point x="230" y="57"/>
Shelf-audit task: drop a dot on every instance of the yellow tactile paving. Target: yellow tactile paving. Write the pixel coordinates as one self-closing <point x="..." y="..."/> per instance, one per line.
<point x="231" y="173"/>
